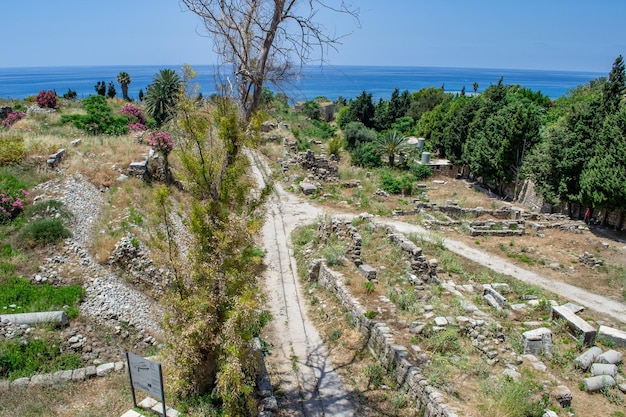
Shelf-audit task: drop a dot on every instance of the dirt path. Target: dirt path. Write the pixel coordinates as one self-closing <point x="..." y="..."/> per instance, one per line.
<point x="604" y="305"/>
<point x="299" y="363"/>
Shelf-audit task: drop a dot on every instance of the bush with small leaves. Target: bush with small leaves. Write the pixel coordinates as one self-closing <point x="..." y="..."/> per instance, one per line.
<point x="47" y="99"/>
<point x="44" y="231"/>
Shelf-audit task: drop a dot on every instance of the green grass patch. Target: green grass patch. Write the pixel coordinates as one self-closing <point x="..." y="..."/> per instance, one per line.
<point x="34" y="298"/>
<point x="35" y="357"/>
<point x="512" y="398"/>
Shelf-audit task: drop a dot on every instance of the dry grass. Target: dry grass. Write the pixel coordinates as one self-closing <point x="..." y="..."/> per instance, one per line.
<point x="108" y="396"/>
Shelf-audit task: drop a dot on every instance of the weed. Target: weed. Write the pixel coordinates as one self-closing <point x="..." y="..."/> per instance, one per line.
<point x="334" y="254"/>
<point x="334" y="335"/>
<point x="447" y="341"/>
<point x="612" y="394"/>
<point x="371" y="315"/>
<point x="375" y="375"/>
<point x="512" y="398"/>
<point x="36" y="356"/>
<point x="370" y="287"/>
<point x="608" y="343"/>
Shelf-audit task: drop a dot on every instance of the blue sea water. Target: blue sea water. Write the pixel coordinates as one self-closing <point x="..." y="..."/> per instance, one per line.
<point x="330" y="81"/>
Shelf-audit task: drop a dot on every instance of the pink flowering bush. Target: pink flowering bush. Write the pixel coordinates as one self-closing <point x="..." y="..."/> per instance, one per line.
<point x="134" y="113"/>
<point x="161" y="142"/>
<point x="13" y="117"/>
<point x="47" y="99"/>
<point x="136" y="127"/>
<point x="11" y="206"/>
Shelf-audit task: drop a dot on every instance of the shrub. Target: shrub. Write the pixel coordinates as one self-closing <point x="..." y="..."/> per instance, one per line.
<point x="396" y="185"/>
<point x="11" y="149"/>
<point x="334" y="146"/>
<point x="161" y="142"/>
<point x="13" y="117"/>
<point x="134" y="113"/>
<point x="99" y="118"/>
<point x="136" y="127"/>
<point x="334" y="254"/>
<point x="10" y="205"/>
<point x="70" y="95"/>
<point x="47" y="99"/>
<point x="44" y="231"/>
<point x="365" y="155"/>
<point x="421" y="171"/>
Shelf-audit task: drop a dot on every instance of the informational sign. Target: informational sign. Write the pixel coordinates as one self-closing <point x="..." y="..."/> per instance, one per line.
<point x="146" y="376"/>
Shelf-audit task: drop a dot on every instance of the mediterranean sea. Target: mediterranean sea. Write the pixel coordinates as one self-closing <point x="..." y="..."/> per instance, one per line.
<point x="314" y="81"/>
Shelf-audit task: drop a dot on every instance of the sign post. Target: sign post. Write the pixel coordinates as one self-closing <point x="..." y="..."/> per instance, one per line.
<point x="146" y="376"/>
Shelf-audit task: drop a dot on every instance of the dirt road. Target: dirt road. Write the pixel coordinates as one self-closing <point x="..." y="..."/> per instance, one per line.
<point x="299" y="362"/>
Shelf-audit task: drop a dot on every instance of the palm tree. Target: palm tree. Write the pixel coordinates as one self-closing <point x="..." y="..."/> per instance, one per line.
<point x="475" y="85"/>
<point x="124" y="79"/>
<point x="162" y="95"/>
<point x="390" y="143"/>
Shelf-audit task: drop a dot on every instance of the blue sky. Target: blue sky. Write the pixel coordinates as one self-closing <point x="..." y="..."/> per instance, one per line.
<point x="572" y="35"/>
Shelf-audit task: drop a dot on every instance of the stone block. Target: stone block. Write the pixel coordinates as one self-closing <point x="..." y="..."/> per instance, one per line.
<point x="105" y="369"/>
<point x="596" y="383"/>
<point x="90" y="371"/>
<point x="367" y="271"/>
<point x="562" y="395"/>
<point x="499" y="298"/>
<point x="615" y="335"/>
<point x="578" y="326"/>
<point x="538" y="341"/>
<point x="603" y="369"/>
<point x="441" y="321"/>
<point x="78" y="375"/>
<point x="610" y="356"/>
<point x="20" y="382"/>
<point x="584" y="361"/>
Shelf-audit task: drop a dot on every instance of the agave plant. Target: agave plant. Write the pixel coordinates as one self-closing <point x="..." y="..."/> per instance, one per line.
<point x="162" y="95"/>
<point x="124" y="79"/>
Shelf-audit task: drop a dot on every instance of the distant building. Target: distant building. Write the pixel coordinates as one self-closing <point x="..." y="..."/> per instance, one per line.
<point x="327" y="108"/>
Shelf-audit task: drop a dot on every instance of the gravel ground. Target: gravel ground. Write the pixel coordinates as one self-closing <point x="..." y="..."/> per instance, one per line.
<point x="110" y="300"/>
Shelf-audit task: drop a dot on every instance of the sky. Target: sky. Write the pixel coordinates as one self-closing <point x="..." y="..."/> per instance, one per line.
<point x="575" y="35"/>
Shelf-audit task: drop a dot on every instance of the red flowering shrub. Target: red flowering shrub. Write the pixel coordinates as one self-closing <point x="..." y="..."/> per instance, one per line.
<point x="13" y="117"/>
<point x="47" y="99"/>
<point x="134" y="113"/>
<point x="10" y="206"/>
<point x="136" y="127"/>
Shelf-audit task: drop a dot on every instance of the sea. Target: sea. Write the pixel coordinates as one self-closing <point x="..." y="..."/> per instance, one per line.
<point x="314" y="81"/>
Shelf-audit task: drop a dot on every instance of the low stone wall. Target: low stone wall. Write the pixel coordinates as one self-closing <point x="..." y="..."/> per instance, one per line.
<point x="380" y="341"/>
<point x="63" y="377"/>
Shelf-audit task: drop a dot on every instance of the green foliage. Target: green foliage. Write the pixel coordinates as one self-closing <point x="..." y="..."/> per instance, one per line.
<point x="43" y="297"/>
<point x="43" y="232"/>
<point x="371" y="315"/>
<point x="365" y="155"/>
<point x="124" y="79"/>
<point x="99" y="118"/>
<point x="445" y="341"/>
<point x="111" y="91"/>
<point x="334" y="254"/>
<point x="356" y="133"/>
<point x="163" y="95"/>
<point x="35" y="357"/>
<point x="392" y="184"/>
<point x="375" y="375"/>
<point x="334" y="146"/>
<point x="421" y="171"/>
<point x="361" y="109"/>
<point x="389" y="144"/>
<point x="369" y="286"/>
<point x="512" y="398"/>
<point x="11" y="149"/>
<point x="311" y="109"/>
<point x="319" y="129"/>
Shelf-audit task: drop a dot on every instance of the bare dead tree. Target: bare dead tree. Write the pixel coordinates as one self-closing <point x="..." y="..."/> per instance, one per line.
<point x="259" y="41"/>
